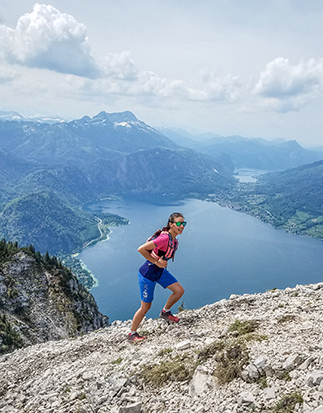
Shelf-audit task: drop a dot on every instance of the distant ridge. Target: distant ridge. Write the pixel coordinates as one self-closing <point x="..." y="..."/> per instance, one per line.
<point x="51" y="170"/>
<point x="18" y="117"/>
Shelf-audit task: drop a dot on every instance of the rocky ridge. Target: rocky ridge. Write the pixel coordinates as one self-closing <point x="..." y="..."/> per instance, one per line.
<point x="250" y="353"/>
<point x="41" y="300"/>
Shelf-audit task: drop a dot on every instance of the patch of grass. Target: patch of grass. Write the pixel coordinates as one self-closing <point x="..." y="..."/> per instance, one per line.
<point x="117" y="361"/>
<point x="287" y="318"/>
<point x="210" y="350"/>
<point x="262" y="382"/>
<point x="231" y="354"/>
<point x="180" y="368"/>
<point x="287" y="403"/>
<point x="242" y="327"/>
<point x="181" y="307"/>
<point x="252" y="337"/>
<point x="164" y="351"/>
<point x="81" y="396"/>
<point x="283" y="374"/>
<point x="230" y="362"/>
<point x="287" y="376"/>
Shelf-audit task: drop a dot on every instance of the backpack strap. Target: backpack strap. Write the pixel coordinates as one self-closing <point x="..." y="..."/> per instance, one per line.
<point x="171" y="248"/>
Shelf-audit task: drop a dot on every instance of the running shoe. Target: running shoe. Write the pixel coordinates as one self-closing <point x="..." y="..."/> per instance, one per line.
<point x="168" y="316"/>
<point x="135" y="337"/>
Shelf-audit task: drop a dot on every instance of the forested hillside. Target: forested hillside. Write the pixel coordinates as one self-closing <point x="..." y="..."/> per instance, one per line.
<point x="291" y="200"/>
<point x="43" y="219"/>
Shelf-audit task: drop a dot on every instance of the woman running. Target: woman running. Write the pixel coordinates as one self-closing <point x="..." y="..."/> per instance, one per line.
<point x="158" y="250"/>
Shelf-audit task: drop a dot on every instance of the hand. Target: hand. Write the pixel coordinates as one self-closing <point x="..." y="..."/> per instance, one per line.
<point x="161" y="263"/>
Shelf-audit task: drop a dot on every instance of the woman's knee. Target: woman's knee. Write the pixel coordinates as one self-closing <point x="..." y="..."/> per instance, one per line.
<point x="179" y="290"/>
<point x="145" y="307"/>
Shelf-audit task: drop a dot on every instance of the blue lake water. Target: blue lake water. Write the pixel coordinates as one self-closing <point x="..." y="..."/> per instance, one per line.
<point x="221" y="252"/>
<point x="248" y="175"/>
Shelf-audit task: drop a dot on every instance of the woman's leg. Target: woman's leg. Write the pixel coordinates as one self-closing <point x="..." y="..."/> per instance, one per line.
<point x="139" y="315"/>
<point x="177" y="292"/>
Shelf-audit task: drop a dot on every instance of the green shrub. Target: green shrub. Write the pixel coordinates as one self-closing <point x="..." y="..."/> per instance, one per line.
<point x="287" y="403"/>
<point x="231" y="354"/>
<point x="262" y="382"/>
<point x="9" y="338"/>
<point x="210" y="350"/>
<point x="230" y="362"/>
<point x="178" y="369"/>
<point x="164" y="351"/>
<point x="243" y="327"/>
<point x="181" y="307"/>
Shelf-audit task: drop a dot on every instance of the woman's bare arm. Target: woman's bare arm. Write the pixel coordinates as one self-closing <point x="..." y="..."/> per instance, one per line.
<point x="145" y="249"/>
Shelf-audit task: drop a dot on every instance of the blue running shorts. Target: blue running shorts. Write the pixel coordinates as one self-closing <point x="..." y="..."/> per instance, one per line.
<point x="147" y="287"/>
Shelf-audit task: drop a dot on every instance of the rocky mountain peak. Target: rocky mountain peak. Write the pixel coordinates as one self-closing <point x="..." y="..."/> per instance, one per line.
<point x="117" y="117"/>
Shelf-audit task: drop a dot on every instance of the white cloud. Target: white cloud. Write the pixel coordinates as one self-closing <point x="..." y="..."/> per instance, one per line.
<point x="47" y="38"/>
<point x="284" y="87"/>
<point x="7" y="74"/>
<point x="214" y="88"/>
<point x="149" y="83"/>
<point x="119" y="65"/>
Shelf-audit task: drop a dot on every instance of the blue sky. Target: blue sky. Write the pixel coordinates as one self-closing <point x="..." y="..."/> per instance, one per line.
<point x="248" y="67"/>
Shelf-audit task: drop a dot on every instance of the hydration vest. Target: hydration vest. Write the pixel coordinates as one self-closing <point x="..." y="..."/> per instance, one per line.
<point x="170" y="251"/>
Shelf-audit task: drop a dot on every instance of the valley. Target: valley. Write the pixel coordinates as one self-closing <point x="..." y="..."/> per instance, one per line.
<point x="50" y="171"/>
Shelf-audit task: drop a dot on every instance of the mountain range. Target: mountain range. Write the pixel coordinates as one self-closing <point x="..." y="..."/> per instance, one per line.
<point x="256" y="153"/>
<point x="50" y="170"/>
<point x="67" y="164"/>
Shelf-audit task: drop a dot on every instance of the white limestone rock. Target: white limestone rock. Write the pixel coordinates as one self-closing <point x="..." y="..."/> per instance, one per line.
<point x="269" y="393"/>
<point x="131" y="408"/>
<point x="293" y="361"/>
<point x="199" y="382"/>
<point x="183" y="345"/>
<point x="246" y="398"/>
<point x="101" y="372"/>
<point x="315" y="378"/>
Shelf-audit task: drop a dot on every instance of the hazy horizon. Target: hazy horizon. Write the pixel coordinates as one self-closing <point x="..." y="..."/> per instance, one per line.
<point x="228" y="67"/>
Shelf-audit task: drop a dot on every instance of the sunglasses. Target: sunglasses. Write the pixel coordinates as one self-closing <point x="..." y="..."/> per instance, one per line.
<point x="178" y="224"/>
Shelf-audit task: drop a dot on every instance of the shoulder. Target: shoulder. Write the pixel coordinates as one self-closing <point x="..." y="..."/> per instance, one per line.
<point x="161" y="239"/>
<point x="162" y="236"/>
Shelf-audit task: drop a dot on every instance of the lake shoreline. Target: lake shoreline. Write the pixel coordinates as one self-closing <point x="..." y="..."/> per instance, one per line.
<point x="238" y="253"/>
<point x="223" y="203"/>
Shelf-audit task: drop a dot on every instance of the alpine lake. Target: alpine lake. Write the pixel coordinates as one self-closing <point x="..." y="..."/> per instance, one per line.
<point x="221" y="252"/>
